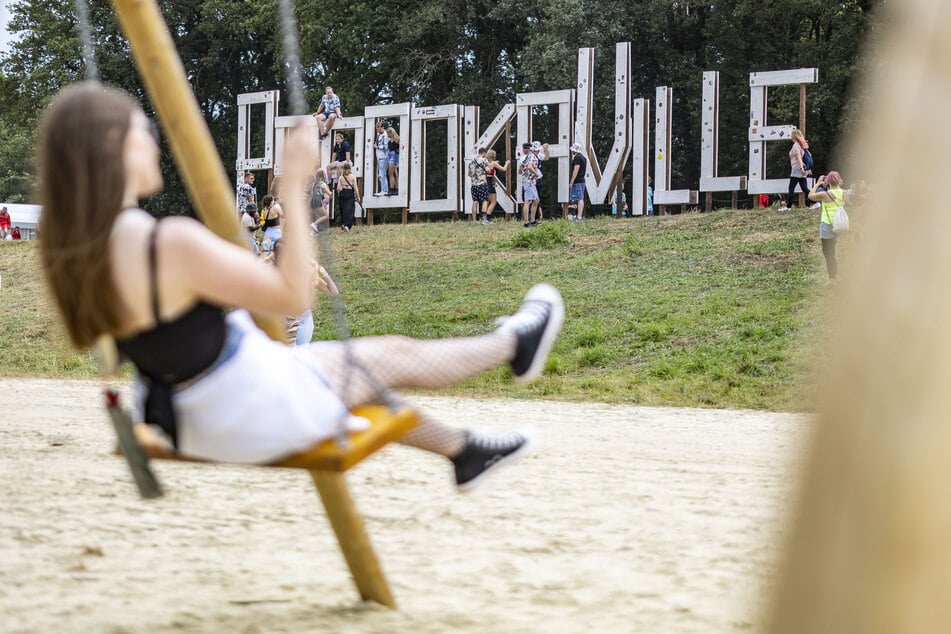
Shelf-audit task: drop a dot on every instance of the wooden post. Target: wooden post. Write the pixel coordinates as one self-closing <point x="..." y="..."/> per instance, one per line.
<point x="802" y="127"/>
<point x="868" y="547"/>
<point x="508" y="156"/>
<point x="734" y="199"/>
<point x="353" y="539"/>
<point x="194" y="150"/>
<point x="708" y="201"/>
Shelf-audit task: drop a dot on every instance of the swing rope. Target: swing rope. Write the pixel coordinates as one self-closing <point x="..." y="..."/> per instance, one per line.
<point x="88" y="50"/>
<point x="136" y="457"/>
<point x="298" y="104"/>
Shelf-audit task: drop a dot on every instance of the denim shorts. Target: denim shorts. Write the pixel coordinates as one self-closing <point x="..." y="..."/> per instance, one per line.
<point x="577" y="192"/>
<point x="529" y="191"/>
<point x="394" y="157"/>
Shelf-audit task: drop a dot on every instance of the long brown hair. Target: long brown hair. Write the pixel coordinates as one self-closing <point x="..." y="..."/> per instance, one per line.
<point x="80" y="185"/>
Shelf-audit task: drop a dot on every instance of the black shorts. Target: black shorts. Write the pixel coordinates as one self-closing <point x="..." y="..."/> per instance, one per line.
<point x="480" y="192"/>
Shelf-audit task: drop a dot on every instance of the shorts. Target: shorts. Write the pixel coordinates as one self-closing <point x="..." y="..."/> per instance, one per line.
<point x="264" y="402"/>
<point x="529" y="191"/>
<point x="394" y="157"/>
<point x="480" y="193"/>
<point x="577" y="192"/>
<point x="327" y="115"/>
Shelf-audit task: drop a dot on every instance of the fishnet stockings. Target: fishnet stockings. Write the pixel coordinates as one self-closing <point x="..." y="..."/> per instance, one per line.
<point x="398" y="361"/>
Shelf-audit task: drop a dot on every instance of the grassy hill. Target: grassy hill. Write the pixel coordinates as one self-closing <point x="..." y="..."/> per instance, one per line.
<point x="713" y="310"/>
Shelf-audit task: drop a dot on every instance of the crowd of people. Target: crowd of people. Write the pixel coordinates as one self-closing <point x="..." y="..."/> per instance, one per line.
<point x="335" y="181"/>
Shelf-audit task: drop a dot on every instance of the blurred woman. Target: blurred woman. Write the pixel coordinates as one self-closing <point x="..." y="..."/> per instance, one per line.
<point x="217" y="386"/>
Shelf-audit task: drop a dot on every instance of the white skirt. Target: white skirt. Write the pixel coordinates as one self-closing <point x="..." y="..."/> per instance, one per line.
<point x="266" y="401"/>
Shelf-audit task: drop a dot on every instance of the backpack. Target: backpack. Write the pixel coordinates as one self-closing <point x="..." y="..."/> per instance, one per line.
<point x="840" y="221"/>
<point x="807" y="159"/>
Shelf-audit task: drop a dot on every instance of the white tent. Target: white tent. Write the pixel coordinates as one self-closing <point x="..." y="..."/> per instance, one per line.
<point x="26" y="217"/>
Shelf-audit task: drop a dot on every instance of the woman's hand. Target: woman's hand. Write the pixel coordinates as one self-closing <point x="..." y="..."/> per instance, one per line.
<point x="300" y="160"/>
<point x="324" y="283"/>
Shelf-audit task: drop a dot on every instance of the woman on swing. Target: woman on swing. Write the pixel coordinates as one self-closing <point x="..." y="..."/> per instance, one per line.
<point x="218" y="386"/>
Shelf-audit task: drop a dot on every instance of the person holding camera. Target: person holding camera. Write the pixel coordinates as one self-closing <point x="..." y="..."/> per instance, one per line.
<point x="831" y="198"/>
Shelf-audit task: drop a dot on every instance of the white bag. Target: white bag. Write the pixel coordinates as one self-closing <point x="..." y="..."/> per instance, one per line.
<point x="840" y="221"/>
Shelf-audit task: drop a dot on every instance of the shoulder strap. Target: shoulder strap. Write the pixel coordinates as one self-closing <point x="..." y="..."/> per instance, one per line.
<point x="153" y="274"/>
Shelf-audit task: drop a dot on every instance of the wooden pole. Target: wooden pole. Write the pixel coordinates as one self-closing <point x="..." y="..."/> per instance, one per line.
<point x="868" y="548"/>
<point x="353" y="539"/>
<point x="192" y="146"/>
<point x="802" y="126"/>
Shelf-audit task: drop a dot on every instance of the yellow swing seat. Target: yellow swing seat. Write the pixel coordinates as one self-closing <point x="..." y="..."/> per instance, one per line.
<point x="326" y="463"/>
<point x="385" y="427"/>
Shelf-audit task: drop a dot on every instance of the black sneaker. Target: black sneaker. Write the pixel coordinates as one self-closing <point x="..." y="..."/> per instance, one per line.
<point x="482" y="453"/>
<point x="536" y="324"/>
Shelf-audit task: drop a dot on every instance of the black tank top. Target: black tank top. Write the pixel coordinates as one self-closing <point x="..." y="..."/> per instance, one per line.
<point x="271" y="221"/>
<point x="172" y="351"/>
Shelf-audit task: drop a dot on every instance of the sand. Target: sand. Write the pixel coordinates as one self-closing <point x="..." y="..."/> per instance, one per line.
<point x="627" y="519"/>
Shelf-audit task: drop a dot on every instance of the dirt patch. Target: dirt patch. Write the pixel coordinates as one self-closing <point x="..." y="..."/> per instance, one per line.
<point x="627" y="519"/>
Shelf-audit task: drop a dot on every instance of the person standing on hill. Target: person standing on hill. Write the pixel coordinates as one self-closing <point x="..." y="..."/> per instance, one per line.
<point x="393" y="169"/>
<point x="579" y="167"/>
<point x="528" y="170"/>
<point x="382" y="158"/>
<point x="831" y="197"/>
<point x="246" y="194"/>
<point x="478" y="174"/>
<point x="492" y="180"/>
<point x="4" y="223"/>
<point x="797" y="168"/>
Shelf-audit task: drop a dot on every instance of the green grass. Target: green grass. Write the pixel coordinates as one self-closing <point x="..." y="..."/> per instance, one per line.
<point x="710" y="310"/>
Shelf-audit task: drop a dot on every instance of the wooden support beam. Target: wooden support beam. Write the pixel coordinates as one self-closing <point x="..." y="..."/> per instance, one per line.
<point x="353" y="539"/>
<point x="192" y="147"/>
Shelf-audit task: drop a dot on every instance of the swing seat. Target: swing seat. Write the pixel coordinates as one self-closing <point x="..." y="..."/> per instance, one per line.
<point x="326" y="463"/>
<point x="330" y="455"/>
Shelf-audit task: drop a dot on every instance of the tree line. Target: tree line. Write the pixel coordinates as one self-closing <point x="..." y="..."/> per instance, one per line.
<point x="471" y="52"/>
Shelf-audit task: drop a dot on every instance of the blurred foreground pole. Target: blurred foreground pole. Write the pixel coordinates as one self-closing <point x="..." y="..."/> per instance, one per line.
<point x="869" y="548"/>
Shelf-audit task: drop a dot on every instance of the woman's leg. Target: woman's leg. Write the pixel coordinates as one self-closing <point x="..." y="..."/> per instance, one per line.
<point x="804" y="185"/>
<point x="493" y="199"/>
<point x="793" y="181"/>
<point x="828" y="250"/>
<point x="358" y="368"/>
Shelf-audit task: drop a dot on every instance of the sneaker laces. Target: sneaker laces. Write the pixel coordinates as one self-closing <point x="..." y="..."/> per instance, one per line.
<point x="531" y="313"/>
<point x="497" y="444"/>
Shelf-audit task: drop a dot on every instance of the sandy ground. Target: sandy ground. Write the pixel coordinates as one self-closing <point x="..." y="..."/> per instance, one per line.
<point x="628" y="519"/>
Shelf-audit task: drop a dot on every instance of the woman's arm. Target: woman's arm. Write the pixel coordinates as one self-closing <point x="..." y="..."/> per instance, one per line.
<point x="817" y="196"/>
<point x="215" y="270"/>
